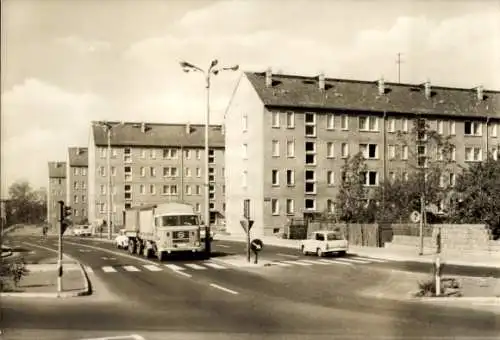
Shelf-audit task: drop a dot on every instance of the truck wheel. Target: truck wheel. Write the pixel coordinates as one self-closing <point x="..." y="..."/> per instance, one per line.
<point x="139" y="249"/>
<point x="131" y="246"/>
<point x="319" y="252"/>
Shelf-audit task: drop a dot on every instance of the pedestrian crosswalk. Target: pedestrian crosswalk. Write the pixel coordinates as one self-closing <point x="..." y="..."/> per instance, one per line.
<point x="212" y="265"/>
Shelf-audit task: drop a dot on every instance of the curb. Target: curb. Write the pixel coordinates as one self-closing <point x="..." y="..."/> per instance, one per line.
<point x="495" y="300"/>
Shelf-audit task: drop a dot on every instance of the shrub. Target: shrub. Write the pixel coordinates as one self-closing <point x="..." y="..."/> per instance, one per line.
<point x="12" y="271"/>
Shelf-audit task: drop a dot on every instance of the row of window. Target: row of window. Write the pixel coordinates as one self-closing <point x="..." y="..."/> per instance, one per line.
<point x="167" y="189"/>
<point x="167" y="172"/>
<point x="77" y="171"/>
<point x="101" y="207"/>
<point x="76" y="199"/>
<point x="79" y="185"/>
<point x="371" y="123"/>
<point x="168" y="153"/>
<point x="309" y="205"/>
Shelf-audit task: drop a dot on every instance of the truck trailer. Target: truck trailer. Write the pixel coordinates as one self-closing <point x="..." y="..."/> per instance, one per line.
<point x="161" y="229"/>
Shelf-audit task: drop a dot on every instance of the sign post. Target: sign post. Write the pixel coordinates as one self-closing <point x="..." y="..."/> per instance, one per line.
<point x="256" y="246"/>
<point x="247" y="225"/>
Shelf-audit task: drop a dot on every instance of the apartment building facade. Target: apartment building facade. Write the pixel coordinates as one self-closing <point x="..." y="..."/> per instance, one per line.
<point x="287" y="138"/>
<point x="77" y="183"/>
<point x="153" y="163"/>
<point x="56" y="191"/>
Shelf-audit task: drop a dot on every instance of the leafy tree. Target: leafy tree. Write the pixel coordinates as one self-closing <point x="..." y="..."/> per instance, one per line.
<point x="477" y="196"/>
<point x="426" y="176"/>
<point x="26" y="205"/>
<point x="353" y="196"/>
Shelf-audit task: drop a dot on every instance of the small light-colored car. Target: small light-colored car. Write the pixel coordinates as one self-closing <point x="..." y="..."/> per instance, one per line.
<point x="325" y="242"/>
<point x="83" y="230"/>
<point x="121" y="241"/>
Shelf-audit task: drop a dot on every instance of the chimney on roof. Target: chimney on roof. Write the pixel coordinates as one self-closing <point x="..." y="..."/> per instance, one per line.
<point x="143" y="127"/>
<point x="269" y="77"/>
<point x="321" y="81"/>
<point x="188" y="128"/>
<point x="381" y="86"/>
<point x="480" y="92"/>
<point x="427" y="87"/>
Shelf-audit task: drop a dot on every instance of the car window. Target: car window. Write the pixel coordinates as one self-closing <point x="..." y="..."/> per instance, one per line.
<point x="320" y="237"/>
<point x="333" y="237"/>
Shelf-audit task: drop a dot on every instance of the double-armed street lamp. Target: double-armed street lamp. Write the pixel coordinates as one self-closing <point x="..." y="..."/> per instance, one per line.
<point x="212" y="70"/>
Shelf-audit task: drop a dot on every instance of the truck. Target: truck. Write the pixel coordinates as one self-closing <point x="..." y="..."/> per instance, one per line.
<point x="162" y="229"/>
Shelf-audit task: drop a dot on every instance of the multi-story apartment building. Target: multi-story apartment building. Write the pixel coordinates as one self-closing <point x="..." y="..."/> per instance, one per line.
<point x="56" y="191"/>
<point x="76" y="183"/>
<point x="153" y="163"/>
<point x="287" y="137"/>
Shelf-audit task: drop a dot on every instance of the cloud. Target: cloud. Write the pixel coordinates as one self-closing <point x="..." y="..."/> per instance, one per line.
<point x="82" y="45"/>
<point x="39" y="122"/>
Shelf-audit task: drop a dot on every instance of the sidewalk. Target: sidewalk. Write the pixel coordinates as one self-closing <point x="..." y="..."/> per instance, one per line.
<point x="472" y="259"/>
<point x="41" y="282"/>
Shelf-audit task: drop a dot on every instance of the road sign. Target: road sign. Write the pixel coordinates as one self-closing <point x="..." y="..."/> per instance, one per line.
<point x="257" y="245"/>
<point x="246" y="225"/>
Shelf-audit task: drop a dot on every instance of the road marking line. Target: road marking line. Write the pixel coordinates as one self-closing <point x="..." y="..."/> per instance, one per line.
<point x="174" y="267"/>
<point x="119" y="337"/>
<point x="281" y="264"/>
<point x="88" y="269"/>
<point x="352" y="260"/>
<point x="108" y="269"/>
<point x="214" y="265"/>
<point x="152" y="267"/>
<point x="297" y="262"/>
<point x="182" y="273"/>
<point x="288" y="255"/>
<point x="131" y="269"/>
<point x="222" y="246"/>
<point x="224" y="289"/>
<point x="312" y="262"/>
<point x="336" y="262"/>
<point x="371" y="259"/>
<point x="194" y="266"/>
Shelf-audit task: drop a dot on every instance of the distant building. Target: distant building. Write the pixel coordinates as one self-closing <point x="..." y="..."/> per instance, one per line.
<point x="77" y="183"/>
<point x="287" y="137"/>
<point x="154" y="163"/>
<point x="56" y="191"/>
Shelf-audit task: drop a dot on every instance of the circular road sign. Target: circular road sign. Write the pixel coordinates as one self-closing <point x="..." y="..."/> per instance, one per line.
<point x="256" y="245"/>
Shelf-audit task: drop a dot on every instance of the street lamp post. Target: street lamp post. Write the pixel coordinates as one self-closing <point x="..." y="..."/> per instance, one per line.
<point x="187" y="67"/>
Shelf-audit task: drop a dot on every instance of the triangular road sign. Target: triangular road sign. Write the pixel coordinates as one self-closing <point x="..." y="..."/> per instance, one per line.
<point x="246" y="225"/>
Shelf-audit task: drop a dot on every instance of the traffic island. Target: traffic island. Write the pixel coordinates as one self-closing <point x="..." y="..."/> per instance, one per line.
<point x="241" y="261"/>
<point x="40" y="281"/>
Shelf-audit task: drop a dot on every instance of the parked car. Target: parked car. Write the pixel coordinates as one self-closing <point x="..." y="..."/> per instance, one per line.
<point x="121" y="241"/>
<point x="83" y="230"/>
<point x="325" y="242"/>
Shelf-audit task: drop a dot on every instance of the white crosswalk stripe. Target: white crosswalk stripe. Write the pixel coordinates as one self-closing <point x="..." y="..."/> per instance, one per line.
<point x="152" y="267"/>
<point x="335" y="262"/>
<point x="194" y="266"/>
<point x="174" y="267"/>
<point x="108" y="269"/>
<point x="312" y="262"/>
<point x="214" y="265"/>
<point x="281" y="264"/>
<point x="131" y="269"/>
<point x="297" y="262"/>
<point x="349" y="260"/>
<point x="371" y="259"/>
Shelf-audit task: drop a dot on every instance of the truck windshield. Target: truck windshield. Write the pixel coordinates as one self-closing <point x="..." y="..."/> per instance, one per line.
<point x="174" y="221"/>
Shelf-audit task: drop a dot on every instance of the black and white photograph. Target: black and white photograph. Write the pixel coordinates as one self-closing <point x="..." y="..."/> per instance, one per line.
<point x="250" y="169"/>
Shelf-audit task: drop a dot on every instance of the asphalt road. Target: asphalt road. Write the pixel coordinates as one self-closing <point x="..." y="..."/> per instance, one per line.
<point x="202" y="299"/>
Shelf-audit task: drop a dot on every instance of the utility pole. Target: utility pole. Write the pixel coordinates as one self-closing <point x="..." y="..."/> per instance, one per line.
<point x="398" y="61"/>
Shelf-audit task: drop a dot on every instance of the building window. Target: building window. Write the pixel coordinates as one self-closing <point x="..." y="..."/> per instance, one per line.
<point x="143" y="171"/>
<point x="75" y="199"/>
<point x="310" y="130"/>
<point x="188" y="190"/>
<point x="187" y="172"/>
<point x="368" y="123"/>
<point x="345" y="150"/>
<point x="142" y="189"/>
<point x="75" y="212"/>
<point x="310" y="182"/>
<point x="290" y="120"/>
<point x="84" y="199"/>
<point x="102" y="152"/>
<point x="128" y="205"/>
<point x="152" y="153"/>
<point x="344" y="122"/>
<point x="127" y="155"/>
<point x="75" y="185"/>
<point x="494" y="130"/>
<point x="244" y="179"/>
<point x="370" y="178"/>
<point x="152" y="189"/>
<point x="330" y="177"/>
<point x="143" y="153"/>
<point x="310" y="148"/>
<point x="275" y="179"/>
<point x="369" y="151"/>
<point x="198" y="154"/>
<point x="440" y="127"/>
<point x="198" y="190"/>
<point x="392" y="176"/>
<point x="152" y="172"/>
<point x="494" y="153"/>
<point x="223" y="206"/>
<point x="330" y="121"/>
<point x="223" y="189"/>
<point x="405" y="124"/>
<point x="223" y="172"/>
<point x="113" y="171"/>
<point x="289" y="206"/>
<point x="451" y="127"/>
<point x="453" y="153"/>
<point x="84" y="185"/>
<point x="330" y="206"/>
<point x="211" y="156"/>
<point x="114" y="153"/>
<point x="198" y="207"/>
<point x="187" y="154"/>
<point x="84" y="212"/>
<point x="440" y="153"/>
<point x="473" y="154"/>
<point x="310" y="204"/>
<point x="392" y="151"/>
<point x="290" y="148"/>
<point x="453" y="179"/>
<point x="275" y="119"/>
<point x="290" y="177"/>
<point x="472" y="129"/>
<point x="211" y="206"/>
<point x="101" y="171"/>
<point x="275" y="206"/>
<point x="330" y="150"/>
<point x="75" y="171"/>
<point x="245" y="122"/>
<point x="276" y="148"/>
<point x="422" y="156"/>
<point x="405" y="176"/>
<point x="442" y="180"/>
<point x="391" y="125"/>
<point x="170" y="189"/>
<point x="84" y="172"/>
<point x="103" y="189"/>
<point x="198" y="172"/>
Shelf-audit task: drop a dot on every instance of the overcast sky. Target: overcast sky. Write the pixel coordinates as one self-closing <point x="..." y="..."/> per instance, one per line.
<point x="65" y="63"/>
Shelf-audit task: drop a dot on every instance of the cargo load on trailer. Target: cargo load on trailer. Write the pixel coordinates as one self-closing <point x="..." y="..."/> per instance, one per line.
<point x="161" y="229"/>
